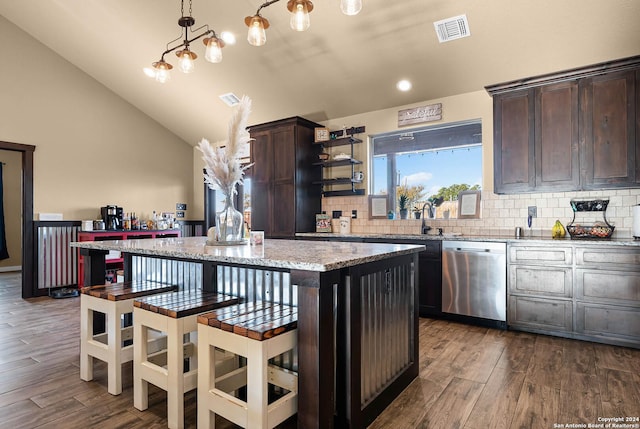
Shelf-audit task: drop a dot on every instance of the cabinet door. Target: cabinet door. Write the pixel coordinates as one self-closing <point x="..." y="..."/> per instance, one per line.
<point x="614" y="324"/>
<point x="556" y="137"/>
<point x="540" y="255"/>
<point x="260" y="216"/>
<point x="284" y="154"/>
<point x="261" y="156"/>
<point x="283" y="223"/>
<point x="609" y="130"/>
<point x="513" y="146"/>
<point x="540" y="314"/>
<point x="430" y="284"/>
<point x="614" y="287"/>
<point x="540" y="280"/>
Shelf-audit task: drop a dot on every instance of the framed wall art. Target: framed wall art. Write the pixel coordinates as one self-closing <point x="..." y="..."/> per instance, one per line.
<point x="469" y="205"/>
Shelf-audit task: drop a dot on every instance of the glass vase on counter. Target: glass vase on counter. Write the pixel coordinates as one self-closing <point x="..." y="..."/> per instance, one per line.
<point x="229" y="221"/>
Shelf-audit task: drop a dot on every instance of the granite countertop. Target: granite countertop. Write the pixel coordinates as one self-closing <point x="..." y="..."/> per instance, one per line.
<point x="495" y="238"/>
<point x="287" y="254"/>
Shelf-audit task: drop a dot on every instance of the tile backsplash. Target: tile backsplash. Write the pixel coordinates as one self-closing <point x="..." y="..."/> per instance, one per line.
<point x="500" y="214"/>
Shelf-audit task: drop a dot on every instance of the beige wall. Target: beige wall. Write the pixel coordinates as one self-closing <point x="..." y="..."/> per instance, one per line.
<point x="92" y="147"/>
<point x="12" y="192"/>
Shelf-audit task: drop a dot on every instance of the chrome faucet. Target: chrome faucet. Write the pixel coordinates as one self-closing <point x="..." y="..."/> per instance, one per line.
<point x="425" y="228"/>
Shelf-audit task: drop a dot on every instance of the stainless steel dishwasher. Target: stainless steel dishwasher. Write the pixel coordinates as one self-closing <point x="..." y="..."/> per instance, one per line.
<point x="474" y="279"/>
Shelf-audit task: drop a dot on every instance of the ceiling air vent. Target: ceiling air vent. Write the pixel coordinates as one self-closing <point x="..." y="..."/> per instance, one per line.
<point x="452" y="28"/>
<point x="230" y="99"/>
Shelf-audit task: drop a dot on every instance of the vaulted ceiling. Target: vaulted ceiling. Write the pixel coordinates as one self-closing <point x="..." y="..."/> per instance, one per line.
<point x="341" y="66"/>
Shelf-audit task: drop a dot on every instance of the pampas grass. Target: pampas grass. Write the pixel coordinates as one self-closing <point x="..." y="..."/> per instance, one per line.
<point x="222" y="164"/>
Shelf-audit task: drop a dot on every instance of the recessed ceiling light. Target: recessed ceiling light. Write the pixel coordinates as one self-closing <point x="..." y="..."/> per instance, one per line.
<point x="228" y="37"/>
<point x="403" y="85"/>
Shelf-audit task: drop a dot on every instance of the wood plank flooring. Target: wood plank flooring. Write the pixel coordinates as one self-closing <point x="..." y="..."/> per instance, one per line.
<point x="470" y="377"/>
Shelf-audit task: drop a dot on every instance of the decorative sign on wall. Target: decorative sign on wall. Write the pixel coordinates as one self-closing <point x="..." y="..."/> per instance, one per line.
<point x="432" y="112"/>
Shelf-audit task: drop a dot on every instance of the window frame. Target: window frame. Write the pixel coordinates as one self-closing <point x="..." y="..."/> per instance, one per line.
<point x="471" y="137"/>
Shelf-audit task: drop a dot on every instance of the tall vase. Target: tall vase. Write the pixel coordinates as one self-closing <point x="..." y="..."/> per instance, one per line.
<point x="229" y="221"/>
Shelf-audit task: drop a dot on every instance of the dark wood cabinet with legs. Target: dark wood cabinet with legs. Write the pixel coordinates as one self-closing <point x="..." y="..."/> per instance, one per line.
<point x="284" y="198"/>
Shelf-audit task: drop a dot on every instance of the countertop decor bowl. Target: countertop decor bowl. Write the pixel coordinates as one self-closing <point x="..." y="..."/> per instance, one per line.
<point x="590" y="231"/>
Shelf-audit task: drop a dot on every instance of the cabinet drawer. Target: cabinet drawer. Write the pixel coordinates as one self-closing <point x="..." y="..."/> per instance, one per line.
<point x="542" y="255"/>
<point x="621" y="287"/>
<point x="540" y="313"/>
<point x="609" y="258"/>
<point x="536" y="280"/>
<point x="606" y="320"/>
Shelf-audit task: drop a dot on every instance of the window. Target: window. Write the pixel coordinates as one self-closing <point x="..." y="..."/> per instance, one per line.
<point x="430" y="164"/>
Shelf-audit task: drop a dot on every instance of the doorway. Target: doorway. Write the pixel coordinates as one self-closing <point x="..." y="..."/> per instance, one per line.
<point x="28" y="258"/>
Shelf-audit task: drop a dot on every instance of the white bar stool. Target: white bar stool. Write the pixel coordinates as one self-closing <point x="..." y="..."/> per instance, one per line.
<point x="115" y="301"/>
<point x="257" y="332"/>
<point x="174" y="314"/>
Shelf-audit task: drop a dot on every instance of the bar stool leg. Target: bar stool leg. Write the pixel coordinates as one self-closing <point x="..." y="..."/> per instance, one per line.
<point x="86" y="335"/>
<point x="140" y="386"/>
<point x="114" y="344"/>
<point x="206" y="380"/>
<point x="257" y="384"/>
<point x="175" y="377"/>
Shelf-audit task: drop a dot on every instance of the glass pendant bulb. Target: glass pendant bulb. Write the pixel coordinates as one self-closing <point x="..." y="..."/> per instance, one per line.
<point x="213" y="52"/>
<point x="257" y="35"/>
<point x="300" y="16"/>
<point x="351" y="7"/>
<point x="161" y="70"/>
<point x="186" y="60"/>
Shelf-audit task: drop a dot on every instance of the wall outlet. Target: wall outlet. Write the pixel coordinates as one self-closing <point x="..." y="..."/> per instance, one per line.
<point x="354" y="214"/>
<point x="533" y="211"/>
<point x="181" y="206"/>
<point x="179" y="214"/>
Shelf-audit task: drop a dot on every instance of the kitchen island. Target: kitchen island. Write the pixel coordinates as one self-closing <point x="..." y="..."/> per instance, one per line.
<point x="357" y="306"/>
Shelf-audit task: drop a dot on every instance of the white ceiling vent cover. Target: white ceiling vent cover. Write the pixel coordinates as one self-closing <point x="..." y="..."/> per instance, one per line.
<point x="452" y="28"/>
<point x="230" y="99"/>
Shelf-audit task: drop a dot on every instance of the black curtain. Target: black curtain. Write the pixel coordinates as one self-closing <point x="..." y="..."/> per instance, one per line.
<point x="4" y="254"/>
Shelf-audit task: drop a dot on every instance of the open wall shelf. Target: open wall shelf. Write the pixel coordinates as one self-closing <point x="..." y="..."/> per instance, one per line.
<point x="329" y="184"/>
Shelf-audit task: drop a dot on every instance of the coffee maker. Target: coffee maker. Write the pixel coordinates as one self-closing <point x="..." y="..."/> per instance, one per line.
<point x="112" y="217"/>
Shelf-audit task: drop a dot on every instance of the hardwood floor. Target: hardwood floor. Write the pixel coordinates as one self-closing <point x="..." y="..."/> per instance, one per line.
<point x="470" y="377"/>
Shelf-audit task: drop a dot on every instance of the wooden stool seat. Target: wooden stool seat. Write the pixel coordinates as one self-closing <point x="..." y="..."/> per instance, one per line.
<point x="257" y="331"/>
<point x="115" y="301"/>
<point x="174" y="314"/>
<point x="127" y="290"/>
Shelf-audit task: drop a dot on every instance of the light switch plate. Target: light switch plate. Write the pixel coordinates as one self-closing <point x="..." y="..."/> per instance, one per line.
<point x="181" y="206"/>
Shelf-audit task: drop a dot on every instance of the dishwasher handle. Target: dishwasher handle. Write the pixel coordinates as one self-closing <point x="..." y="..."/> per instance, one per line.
<point x="460" y="249"/>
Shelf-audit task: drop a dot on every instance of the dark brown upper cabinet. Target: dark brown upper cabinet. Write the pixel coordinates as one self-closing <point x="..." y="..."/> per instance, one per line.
<point x="513" y="143"/>
<point x="568" y="131"/>
<point x="609" y="109"/>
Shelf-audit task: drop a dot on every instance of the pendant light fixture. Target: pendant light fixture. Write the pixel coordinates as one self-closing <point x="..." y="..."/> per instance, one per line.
<point x="186" y="57"/>
<point x="257" y="24"/>
<point x="351" y="7"/>
<point x="299" y="14"/>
